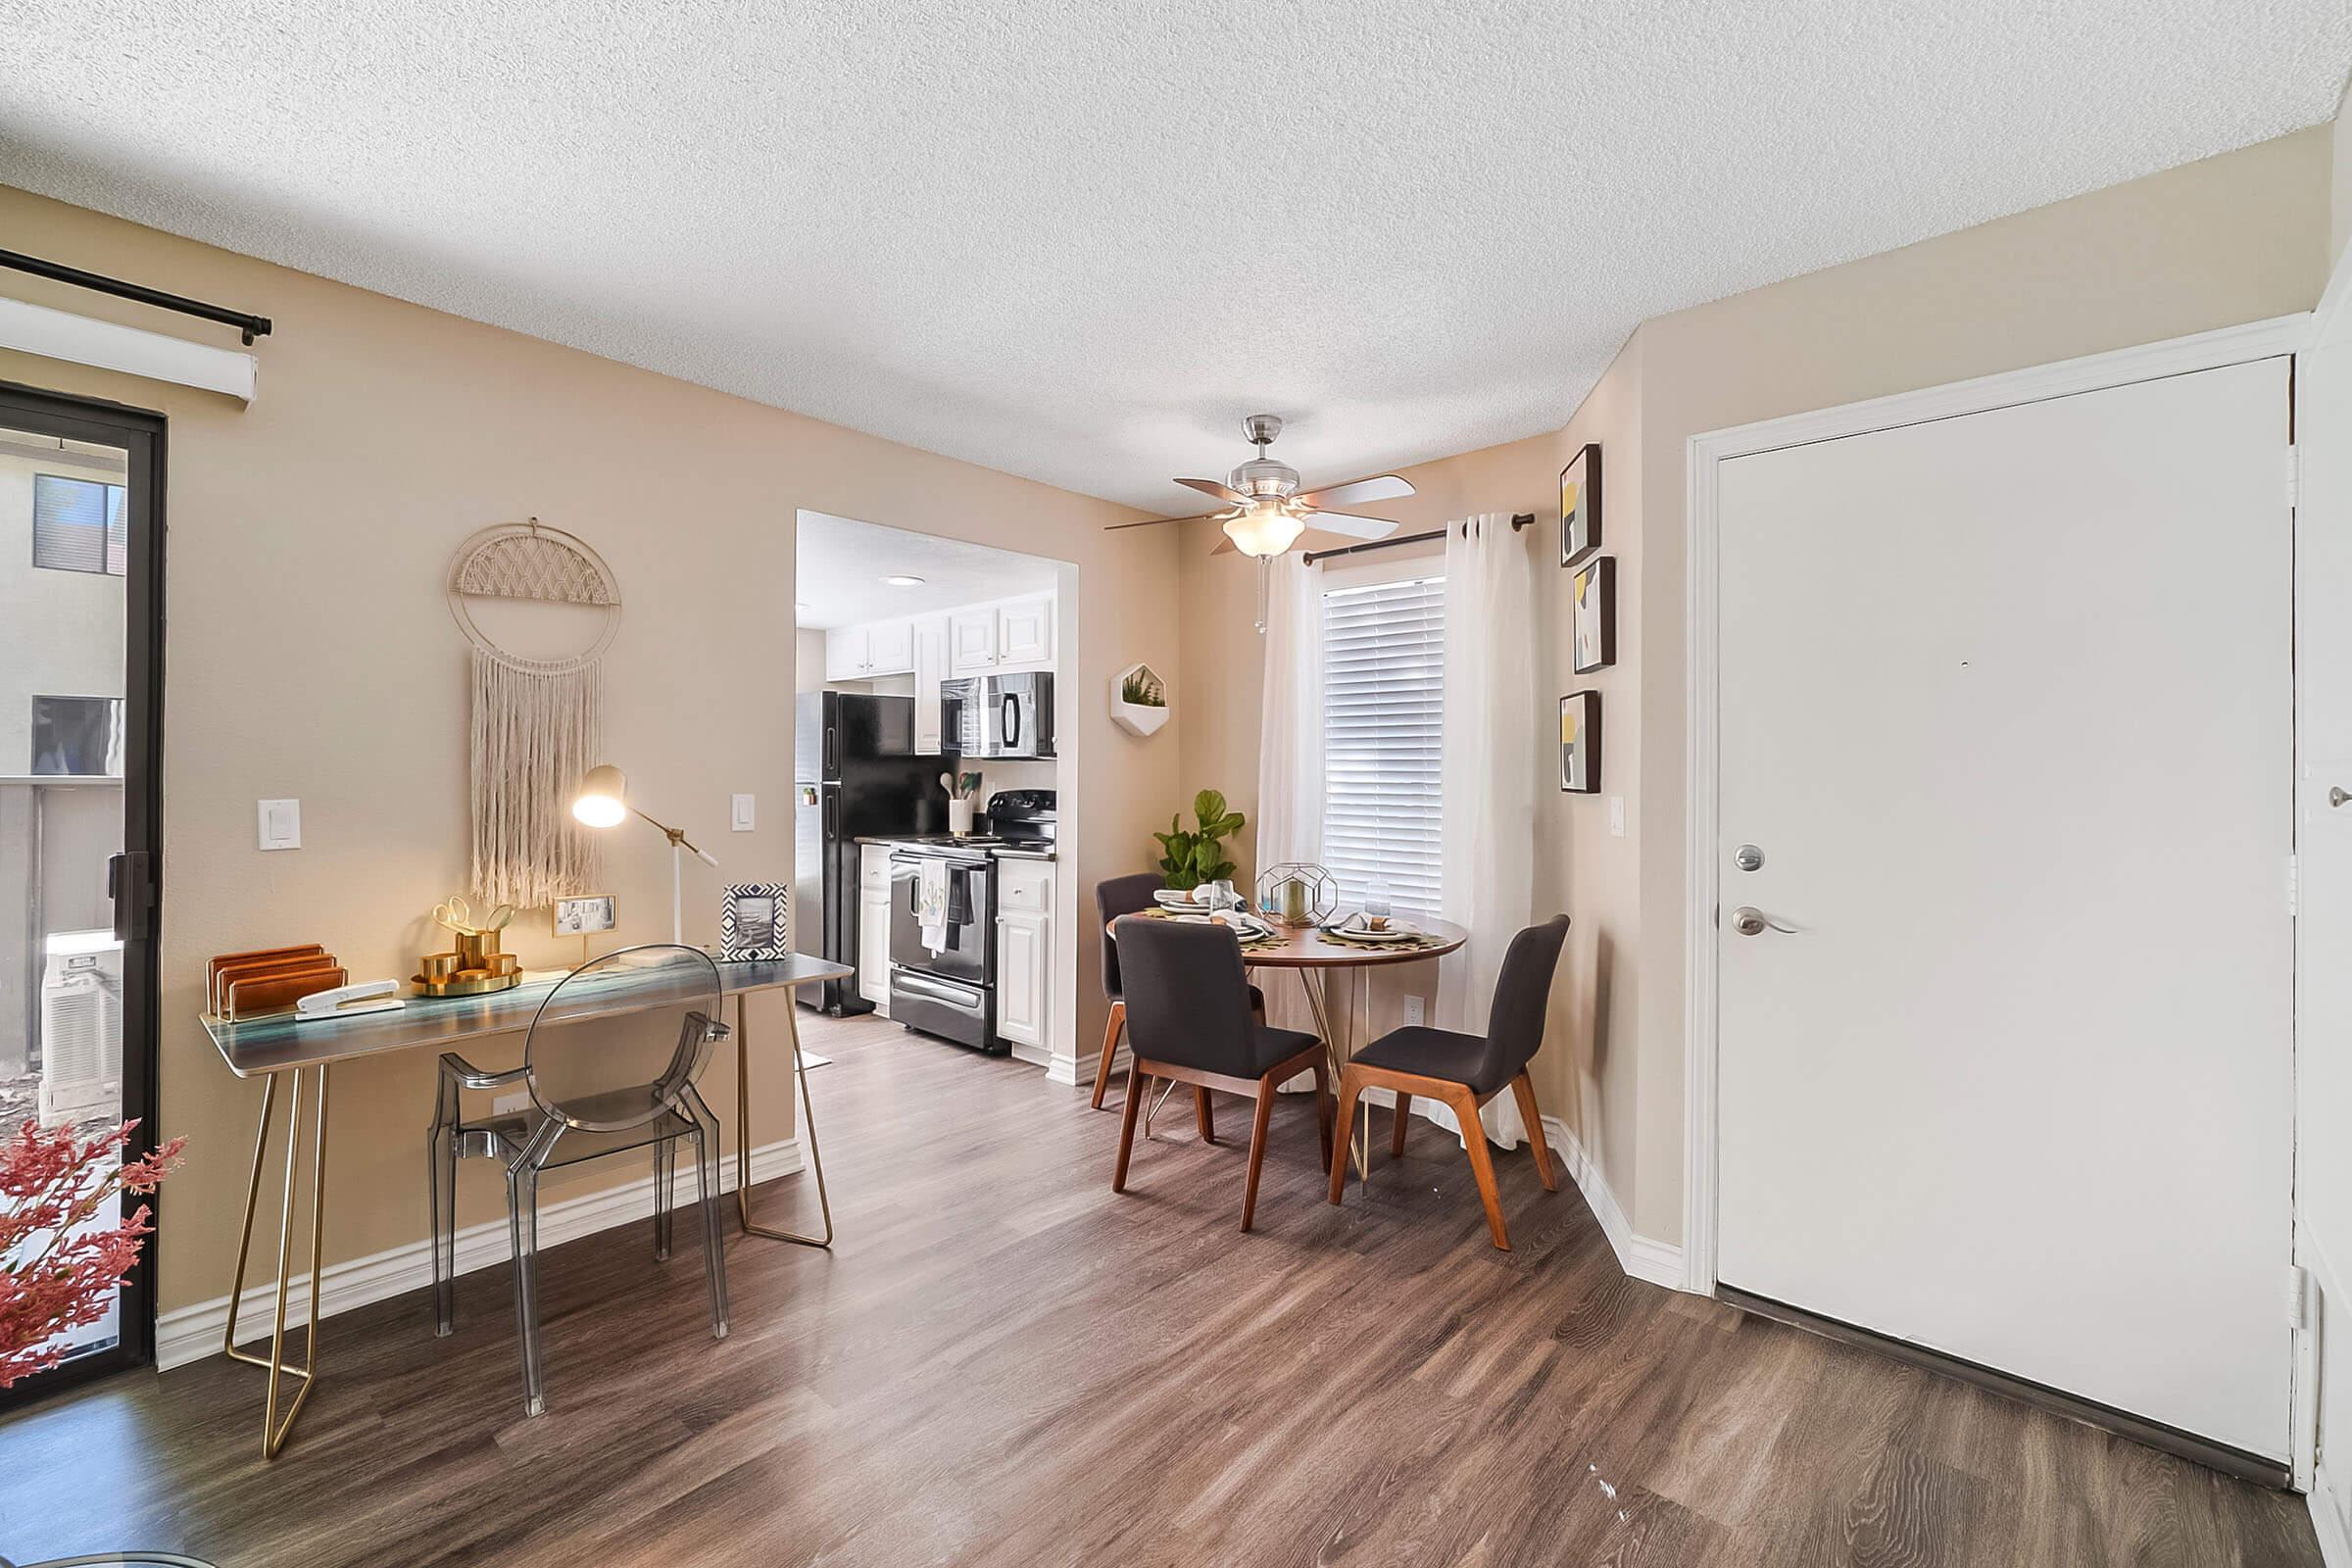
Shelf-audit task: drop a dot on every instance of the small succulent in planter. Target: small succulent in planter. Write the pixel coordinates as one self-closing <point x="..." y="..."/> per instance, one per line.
<point x="1190" y="859"/>
<point x="1143" y="689"/>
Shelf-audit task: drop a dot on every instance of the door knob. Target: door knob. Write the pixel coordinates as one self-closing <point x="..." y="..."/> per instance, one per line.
<point x="1750" y="921"/>
<point x="2338" y="795"/>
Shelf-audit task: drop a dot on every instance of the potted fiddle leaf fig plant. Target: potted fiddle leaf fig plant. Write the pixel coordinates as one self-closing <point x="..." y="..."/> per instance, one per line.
<point x="1190" y="857"/>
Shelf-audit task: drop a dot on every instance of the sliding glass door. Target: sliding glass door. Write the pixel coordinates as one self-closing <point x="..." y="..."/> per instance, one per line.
<point x="80" y="620"/>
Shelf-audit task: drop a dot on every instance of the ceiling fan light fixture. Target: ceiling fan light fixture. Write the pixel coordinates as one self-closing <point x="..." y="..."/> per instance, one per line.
<point x="1264" y="530"/>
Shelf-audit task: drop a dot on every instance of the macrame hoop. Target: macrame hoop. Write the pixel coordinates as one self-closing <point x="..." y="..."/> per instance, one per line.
<point x="532" y="560"/>
<point x="535" y="723"/>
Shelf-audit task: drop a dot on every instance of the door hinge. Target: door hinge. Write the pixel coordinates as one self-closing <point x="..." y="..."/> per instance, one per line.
<point x="2294" y="478"/>
<point x="2299" y="1297"/>
<point x="2295" y="886"/>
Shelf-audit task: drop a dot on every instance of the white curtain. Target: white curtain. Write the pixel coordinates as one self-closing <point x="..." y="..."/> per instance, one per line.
<point x="1494" y="746"/>
<point x="1290" y="757"/>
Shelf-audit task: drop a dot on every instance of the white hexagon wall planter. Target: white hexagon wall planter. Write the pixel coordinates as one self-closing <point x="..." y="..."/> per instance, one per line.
<point x="1138" y="700"/>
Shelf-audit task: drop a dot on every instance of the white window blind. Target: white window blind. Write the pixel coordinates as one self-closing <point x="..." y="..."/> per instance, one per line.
<point x="80" y="525"/>
<point x="1383" y="699"/>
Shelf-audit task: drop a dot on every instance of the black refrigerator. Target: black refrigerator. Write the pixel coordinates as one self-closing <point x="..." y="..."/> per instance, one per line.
<point x="856" y="774"/>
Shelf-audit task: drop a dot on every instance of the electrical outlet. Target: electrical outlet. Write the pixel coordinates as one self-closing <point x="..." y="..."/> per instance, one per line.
<point x="511" y="1104"/>
<point x="1412" y="1012"/>
<point x="1616" y="816"/>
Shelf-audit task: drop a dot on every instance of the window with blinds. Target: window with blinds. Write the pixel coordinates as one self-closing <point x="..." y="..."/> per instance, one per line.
<point x="80" y="525"/>
<point x="1383" y="699"/>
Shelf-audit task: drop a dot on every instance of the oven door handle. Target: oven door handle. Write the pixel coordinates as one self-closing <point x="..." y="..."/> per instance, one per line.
<point x="915" y="983"/>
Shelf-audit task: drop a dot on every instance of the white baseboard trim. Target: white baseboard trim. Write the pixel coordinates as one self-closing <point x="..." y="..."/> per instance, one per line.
<point x="192" y="1333"/>
<point x="1642" y="1257"/>
<point x="1071" y="1072"/>
<point x="2336" y="1545"/>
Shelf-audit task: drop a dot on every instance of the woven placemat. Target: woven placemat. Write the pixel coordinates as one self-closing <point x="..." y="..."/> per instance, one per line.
<point x="1413" y="945"/>
<point x="1268" y="939"/>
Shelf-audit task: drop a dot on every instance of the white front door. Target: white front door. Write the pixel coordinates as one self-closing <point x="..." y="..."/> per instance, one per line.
<point x="2006" y="711"/>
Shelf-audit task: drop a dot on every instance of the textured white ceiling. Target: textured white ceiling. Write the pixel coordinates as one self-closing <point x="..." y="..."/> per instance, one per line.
<point x="840" y="563"/>
<point x="1077" y="239"/>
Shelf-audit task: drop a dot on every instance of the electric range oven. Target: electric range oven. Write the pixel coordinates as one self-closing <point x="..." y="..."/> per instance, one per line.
<point x="943" y="982"/>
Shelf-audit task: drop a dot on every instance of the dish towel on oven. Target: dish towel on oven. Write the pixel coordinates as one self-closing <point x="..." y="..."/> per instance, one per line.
<point x="931" y="903"/>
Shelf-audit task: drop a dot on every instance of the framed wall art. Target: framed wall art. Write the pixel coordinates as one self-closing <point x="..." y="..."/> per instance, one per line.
<point x="1580" y="743"/>
<point x="1592" y="614"/>
<point x="1580" y="505"/>
<point x="752" y="922"/>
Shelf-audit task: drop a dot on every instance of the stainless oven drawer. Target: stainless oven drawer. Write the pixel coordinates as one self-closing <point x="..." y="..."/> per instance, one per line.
<point x="947" y="1008"/>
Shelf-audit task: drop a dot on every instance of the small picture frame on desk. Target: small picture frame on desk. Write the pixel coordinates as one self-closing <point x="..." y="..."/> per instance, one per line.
<point x="754" y="922"/>
<point x="577" y="918"/>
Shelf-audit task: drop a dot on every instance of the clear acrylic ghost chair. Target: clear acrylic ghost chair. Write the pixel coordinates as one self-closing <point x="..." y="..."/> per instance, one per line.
<point x="609" y="1062"/>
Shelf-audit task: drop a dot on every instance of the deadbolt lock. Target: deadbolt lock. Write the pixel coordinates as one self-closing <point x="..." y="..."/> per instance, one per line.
<point x="1747" y="858"/>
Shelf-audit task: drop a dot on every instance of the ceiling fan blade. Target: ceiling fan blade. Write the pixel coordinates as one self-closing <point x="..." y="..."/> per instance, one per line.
<point x="1381" y="487"/>
<point x="1223" y="492"/>
<point x="1148" y="522"/>
<point x="1351" y="524"/>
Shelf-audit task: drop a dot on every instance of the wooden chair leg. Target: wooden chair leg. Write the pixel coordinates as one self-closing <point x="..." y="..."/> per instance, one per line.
<point x="1204" y="1115"/>
<point x="1111" y="1049"/>
<point x="1258" y="1149"/>
<point x="1323" y="1107"/>
<point x="1525" y="1093"/>
<point x="1138" y="1084"/>
<point x="1482" y="1165"/>
<point x="1352" y="1089"/>
<point x="1404" y="1110"/>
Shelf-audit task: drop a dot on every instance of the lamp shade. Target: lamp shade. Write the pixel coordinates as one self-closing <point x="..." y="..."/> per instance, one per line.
<point x="604" y="797"/>
<point x="1265" y="529"/>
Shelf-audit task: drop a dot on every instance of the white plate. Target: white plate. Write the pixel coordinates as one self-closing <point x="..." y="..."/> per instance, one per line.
<point x="1356" y="932"/>
<point x="1171" y="899"/>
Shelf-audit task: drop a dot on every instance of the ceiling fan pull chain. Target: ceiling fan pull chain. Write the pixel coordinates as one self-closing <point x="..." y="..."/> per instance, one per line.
<point x="1265" y="564"/>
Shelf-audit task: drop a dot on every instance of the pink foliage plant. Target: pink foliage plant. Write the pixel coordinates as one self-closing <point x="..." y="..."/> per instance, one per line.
<point x="52" y="1279"/>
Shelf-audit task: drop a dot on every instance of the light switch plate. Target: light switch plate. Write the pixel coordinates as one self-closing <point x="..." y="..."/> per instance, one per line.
<point x="1616" y="816"/>
<point x="743" y="813"/>
<point x="279" y="825"/>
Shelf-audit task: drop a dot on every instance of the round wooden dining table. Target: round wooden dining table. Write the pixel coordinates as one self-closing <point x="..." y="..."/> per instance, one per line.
<point x="1305" y="950"/>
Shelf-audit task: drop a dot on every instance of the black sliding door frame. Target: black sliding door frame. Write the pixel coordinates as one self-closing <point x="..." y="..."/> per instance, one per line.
<point x="138" y="874"/>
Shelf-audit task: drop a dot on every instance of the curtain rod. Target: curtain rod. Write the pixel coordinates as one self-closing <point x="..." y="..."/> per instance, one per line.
<point x="1518" y="521"/>
<point x="252" y="326"/>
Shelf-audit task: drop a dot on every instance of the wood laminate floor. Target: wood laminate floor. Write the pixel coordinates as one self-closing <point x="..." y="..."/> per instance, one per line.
<point x="1003" y="1364"/>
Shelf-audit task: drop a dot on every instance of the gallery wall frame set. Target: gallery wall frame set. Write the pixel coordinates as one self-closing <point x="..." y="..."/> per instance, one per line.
<point x="1580" y="743"/>
<point x="1580" y="505"/>
<point x="1592" y="614"/>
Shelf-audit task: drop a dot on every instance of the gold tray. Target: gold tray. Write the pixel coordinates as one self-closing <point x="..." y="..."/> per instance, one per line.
<point x="468" y="986"/>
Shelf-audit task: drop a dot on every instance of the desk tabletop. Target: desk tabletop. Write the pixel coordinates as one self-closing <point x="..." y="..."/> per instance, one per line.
<point x="259" y="1046"/>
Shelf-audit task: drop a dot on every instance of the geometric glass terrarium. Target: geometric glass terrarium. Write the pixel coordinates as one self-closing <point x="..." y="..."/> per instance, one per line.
<point x="1298" y="893"/>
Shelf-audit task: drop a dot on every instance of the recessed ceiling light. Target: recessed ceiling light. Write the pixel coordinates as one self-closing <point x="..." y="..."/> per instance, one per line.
<point x="900" y="580"/>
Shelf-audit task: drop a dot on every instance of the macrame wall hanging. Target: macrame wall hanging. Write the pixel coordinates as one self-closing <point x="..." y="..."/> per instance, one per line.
<point x="535" y="721"/>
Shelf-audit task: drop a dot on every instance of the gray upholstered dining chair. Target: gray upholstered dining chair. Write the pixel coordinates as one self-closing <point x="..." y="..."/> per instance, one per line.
<point x="1465" y="1071"/>
<point x="1124" y="896"/>
<point x="1189" y="1020"/>
<point x="610" y="1065"/>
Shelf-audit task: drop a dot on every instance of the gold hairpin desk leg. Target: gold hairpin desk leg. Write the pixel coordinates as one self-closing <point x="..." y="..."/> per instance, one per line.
<point x="742" y="1127"/>
<point x="275" y="1426"/>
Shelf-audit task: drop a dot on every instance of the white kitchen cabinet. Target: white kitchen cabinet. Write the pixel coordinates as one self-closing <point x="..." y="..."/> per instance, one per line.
<point x="972" y="640"/>
<point x="930" y="668"/>
<point x="869" y="648"/>
<point x="1025" y="632"/>
<point x="1024" y="950"/>
<point x="845" y="652"/>
<point x="889" y="647"/>
<point x="873" y="925"/>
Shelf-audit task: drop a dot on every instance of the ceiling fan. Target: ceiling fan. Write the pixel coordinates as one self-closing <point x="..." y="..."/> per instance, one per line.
<point x="1265" y="510"/>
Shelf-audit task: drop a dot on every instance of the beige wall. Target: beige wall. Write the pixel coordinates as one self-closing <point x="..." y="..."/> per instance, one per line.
<point x="807" y="659"/>
<point x="311" y="655"/>
<point x="2231" y="240"/>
